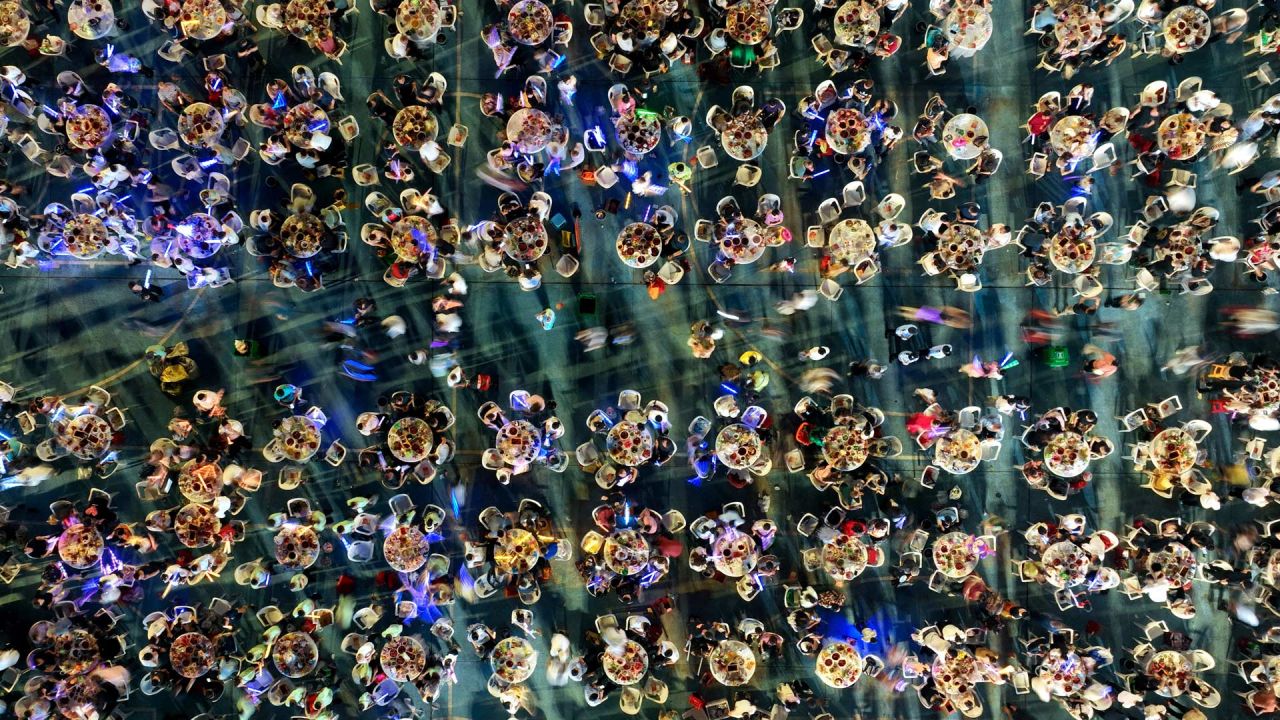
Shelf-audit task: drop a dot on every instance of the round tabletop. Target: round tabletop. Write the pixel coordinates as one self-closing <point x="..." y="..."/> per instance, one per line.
<point x="1065" y="674"/>
<point x="302" y="235"/>
<point x="192" y="655"/>
<point x="15" y="24"/>
<point x="513" y="659"/>
<point x="1173" y="450"/>
<point x="76" y="651"/>
<point x="734" y="553"/>
<point x="1174" y="564"/>
<point x="309" y="20"/>
<point x="419" y="19"/>
<point x="851" y="241"/>
<point x="530" y="129"/>
<point x="629" y="444"/>
<point x="844" y="448"/>
<point x="413" y="238"/>
<point x="744" y="137"/>
<point x="956" y="554"/>
<point x="529" y="22"/>
<point x="525" y="239"/>
<point x="80" y="546"/>
<point x="298" y="436"/>
<point x="88" y="126"/>
<point x="838" y="665"/>
<point x="1066" y="454"/>
<point x="847" y="131"/>
<point x="414" y="126"/>
<point x="1182" y="135"/>
<point x="626" y="552"/>
<point x="1172" y="672"/>
<point x="295" y="654"/>
<point x="955" y="672"/>
<point x="1071" y="253"/>
<point x="200" y="482"/>
<point x="626" y="667"/>
<point x="91" y="19"/>
<point x="968" y="27"/>
<point x="196" y="525"/>
<point x="86" y="436"/>
<point x="845" y="557"/>
<point x="199" y="235"/>
<point x="405" y="548"/>
<point x="958" y="452"/>
<point x="744" y="240"/>
<point x="85" y="236"/>
<point x="410" y="439"/>
<point x="748" y="22"/>
<point x="403" y="658"/>
<point x="738" y="446"/>
<point x="961" y="247"/>
<point x="302" y="122"/>
<point x="297" y="547"/>
<point x="202" y="19"/>
<point x="857" y="23"/>
<point x="638" y="133"/>
<point x="1066" y="564"/>
<point x="1079" y="28"/>
<point x="732" y="663"/>
<point x="519" y="442"/>
<point x="961" y="134"/>
<point x="517" y="551"/>
<point x="639" y="245"/>
<point x="1186" y="28"/>
<point x="1074" y="136"/>
<point x="645" y="18"/>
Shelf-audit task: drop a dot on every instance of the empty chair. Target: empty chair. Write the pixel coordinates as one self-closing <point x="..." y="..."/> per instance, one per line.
<point x="747" y="175"/>
<point x="163" y="139"/>
<point x="829" y="211"/>
<point x="854" y="194"/>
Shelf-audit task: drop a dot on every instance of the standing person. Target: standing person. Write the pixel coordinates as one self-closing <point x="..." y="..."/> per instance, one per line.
<point x="146" y="292"/>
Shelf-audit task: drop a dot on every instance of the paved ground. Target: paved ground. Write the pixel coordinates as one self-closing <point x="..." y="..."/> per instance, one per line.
<point x="75" y="324"/>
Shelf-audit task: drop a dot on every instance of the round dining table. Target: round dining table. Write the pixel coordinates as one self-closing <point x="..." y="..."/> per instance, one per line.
<point x="513" y="659"/>
<point x="1186" y="28"/>
<point x="844" y="448"/>
<point x="88" y="127"/>
<point x="628" y="443"/>
<point x="968" y="27"/>
<point x="732" y="663"/>
<point x="838" y="664"/>
<point x="524" y="239"/>
<point x="413" y="238"/>
<point x="405" y="548"/>
<point x="91" y="19"/>
<point x="748" y="22"/>
<point x="15" y="24"/>
<point x="847" y="131"/>
<point x="851" y="241"/>
<point x="744" y="137"/>
<point x="302" y="235"/>
<point x="964" y="136"/>
<point x="530" y="129"/>
<point x="518" y="442"/>
<point x="639" y="245"/>
<point x="958" y="452"/>
<point x="529" y="22"/>
<point x="857" y="23"/>
<point x="738" y="447"/>
<point x="419" y="20"/>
